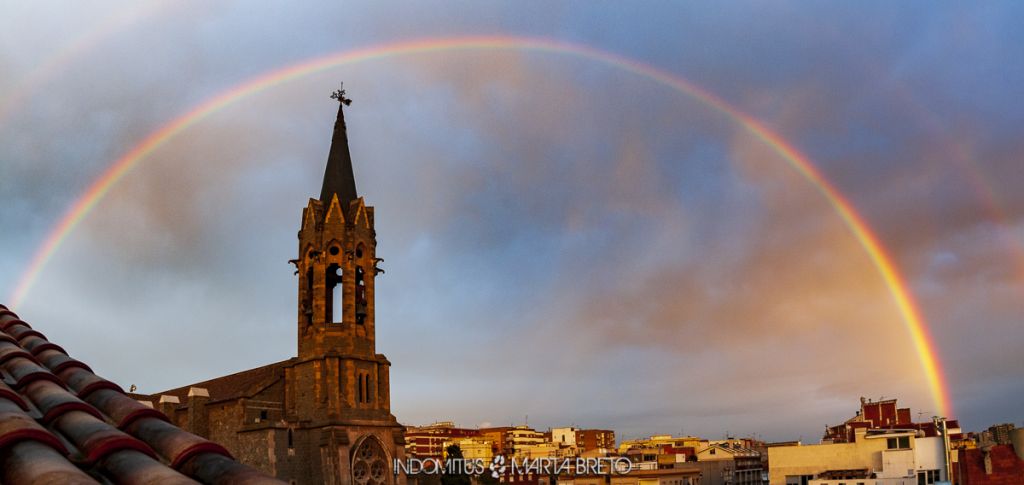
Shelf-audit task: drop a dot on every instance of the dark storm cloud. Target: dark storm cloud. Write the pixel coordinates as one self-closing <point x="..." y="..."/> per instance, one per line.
<point x="562" y="239"/>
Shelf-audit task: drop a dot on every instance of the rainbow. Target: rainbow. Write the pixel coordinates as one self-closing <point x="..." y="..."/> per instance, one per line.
<point x="883" y="262"/>
<point x="960" y="154"/>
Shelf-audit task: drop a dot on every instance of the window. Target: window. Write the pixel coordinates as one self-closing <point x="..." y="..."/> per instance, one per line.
<point x="335" y="294"/>
<point x="898" y="443"/>
<point x="360" y="296"/>
<point x="291" y="439"/>
<point x="307" y="303"/>
<point x="369" y="390"/>
<point x="927" y="477"/>
<point x="365" y="393"/>
<point x="263" y="415"/>
<point x="369" y="463"/>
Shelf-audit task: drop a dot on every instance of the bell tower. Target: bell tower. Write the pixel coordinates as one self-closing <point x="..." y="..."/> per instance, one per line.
<point x="323" y="416"/>
<point x="337" y="261"/>
<point x="337" y="392"/>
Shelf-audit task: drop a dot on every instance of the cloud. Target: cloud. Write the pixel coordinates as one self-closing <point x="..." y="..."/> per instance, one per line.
<point x="562" y="238"/>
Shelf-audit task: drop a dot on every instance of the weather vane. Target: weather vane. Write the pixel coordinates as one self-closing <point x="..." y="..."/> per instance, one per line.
<point x="340" y="95"/>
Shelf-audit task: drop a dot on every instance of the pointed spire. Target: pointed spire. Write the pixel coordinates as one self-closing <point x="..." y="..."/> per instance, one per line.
<point x="338" y="177"/>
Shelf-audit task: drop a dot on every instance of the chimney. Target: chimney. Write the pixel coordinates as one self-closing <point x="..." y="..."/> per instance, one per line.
<point x="198" y="418"/>
<point x="1017" y="440"/>
<point x="167" y="404"/>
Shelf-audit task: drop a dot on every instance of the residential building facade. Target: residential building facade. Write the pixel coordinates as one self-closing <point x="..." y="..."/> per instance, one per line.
<point x="874" y="457"/>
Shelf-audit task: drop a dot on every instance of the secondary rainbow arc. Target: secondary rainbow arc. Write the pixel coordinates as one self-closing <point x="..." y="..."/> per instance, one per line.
<point x="883" y="262"/>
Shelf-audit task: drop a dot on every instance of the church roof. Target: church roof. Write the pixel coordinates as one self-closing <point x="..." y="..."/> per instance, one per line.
<point x="240" y="384"/>
<point x="61" y="423"/>
<point x="338" y="176"/>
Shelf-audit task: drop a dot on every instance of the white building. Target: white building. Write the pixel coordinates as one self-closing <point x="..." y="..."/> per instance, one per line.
<point x="876" y="457"/>
<point x="563" y="436"/>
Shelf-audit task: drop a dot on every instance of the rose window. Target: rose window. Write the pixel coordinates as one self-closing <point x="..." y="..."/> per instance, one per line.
<point x="369" y="464"/>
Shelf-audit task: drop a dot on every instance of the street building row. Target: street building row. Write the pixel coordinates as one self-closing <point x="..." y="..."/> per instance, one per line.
<point x="880" y="444"/>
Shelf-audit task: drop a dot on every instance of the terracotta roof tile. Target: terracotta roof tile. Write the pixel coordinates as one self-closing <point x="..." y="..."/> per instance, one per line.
<point x="31" y="462"/>
<point x="61" y="423"/>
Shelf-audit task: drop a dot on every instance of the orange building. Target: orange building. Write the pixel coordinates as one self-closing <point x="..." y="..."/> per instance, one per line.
<point x="428" y="441"/>
<point x="595" y="439"/>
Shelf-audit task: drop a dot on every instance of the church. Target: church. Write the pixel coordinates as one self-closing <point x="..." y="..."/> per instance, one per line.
<point x="323" y="416"/>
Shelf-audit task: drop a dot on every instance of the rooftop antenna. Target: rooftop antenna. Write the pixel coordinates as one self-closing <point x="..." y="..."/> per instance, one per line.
<point x="340" y="95"/>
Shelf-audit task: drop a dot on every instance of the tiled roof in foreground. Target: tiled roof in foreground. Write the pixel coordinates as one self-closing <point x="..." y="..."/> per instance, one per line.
<point x="61" y="423"/>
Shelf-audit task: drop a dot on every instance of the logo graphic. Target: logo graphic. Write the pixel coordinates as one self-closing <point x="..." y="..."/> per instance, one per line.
<point x="503" y="466"/>
<point x="497" y="466"/>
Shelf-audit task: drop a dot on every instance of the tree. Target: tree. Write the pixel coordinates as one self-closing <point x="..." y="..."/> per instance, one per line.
<point x="455" y="473"/>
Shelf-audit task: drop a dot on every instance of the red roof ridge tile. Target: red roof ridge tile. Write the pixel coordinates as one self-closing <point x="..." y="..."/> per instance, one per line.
<point x="56" y="415"/>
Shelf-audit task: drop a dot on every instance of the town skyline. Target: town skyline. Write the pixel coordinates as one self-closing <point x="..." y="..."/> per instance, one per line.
<point x="572" y="228"/>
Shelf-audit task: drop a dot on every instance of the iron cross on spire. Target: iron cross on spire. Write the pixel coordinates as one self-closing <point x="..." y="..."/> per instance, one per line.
<point x="340" y="95"/>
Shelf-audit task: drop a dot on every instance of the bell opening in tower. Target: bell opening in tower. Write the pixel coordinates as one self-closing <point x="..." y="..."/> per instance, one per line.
<point x="360" y="296"/>
<point x="307" y="303"/>
<point x="334" y="295"/>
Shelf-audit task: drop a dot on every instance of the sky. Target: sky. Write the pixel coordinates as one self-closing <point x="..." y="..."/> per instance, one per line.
<point x="567" y="241"/>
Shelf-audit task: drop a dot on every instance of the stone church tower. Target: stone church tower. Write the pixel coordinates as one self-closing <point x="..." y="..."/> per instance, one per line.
<point x="325" y="415"/>
<point x="339" y="383"/>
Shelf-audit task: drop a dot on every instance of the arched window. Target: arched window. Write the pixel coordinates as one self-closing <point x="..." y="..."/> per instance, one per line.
<point x="369" y="390"/>
<point x="334" y="296"/>
<point x="365" y="389"/>
<point x="370" y="463"/>
<point x="361" y="396"/>
<point x="307" y="301"/>
<point x="360" y="296"/>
